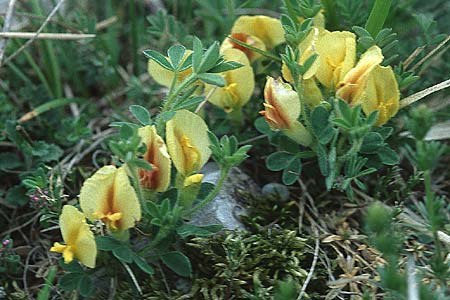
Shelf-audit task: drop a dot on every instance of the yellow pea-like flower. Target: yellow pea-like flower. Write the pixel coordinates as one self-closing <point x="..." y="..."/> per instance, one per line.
<point x="78" y="237"/>
<point x="163" y="76"/>
<point x="187" y="141"/>
<point x="282" y="110"/>
<point x="247" y="39"/>
<point x="380" y="93"/>
<point x="356" y="78"/>
<point x="307" y="48"/>
<point x="158" y="178"/>
<point x="337" y="55"/>
<point x="240" y="83"/>
<point x="266" y="29"/>
<point x="109" y="196"/>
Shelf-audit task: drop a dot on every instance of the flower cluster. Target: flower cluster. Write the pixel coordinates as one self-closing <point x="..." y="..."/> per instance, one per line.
<point x="109" y="197"/>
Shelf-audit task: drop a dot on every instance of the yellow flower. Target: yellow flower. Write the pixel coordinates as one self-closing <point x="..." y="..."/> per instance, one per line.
<point x="245" y="38"/>
<point x="240" y="83"/>
<point x="380" y="93"/>
<point x="266" y="29"/>
<point x="355" y="79"/>
<point x="187" y="142"/>
<point x="163" y="76"/>
<point x="337" y="55"/>
<point x="158" y="178"/>
<point x="282" y="109"/>
<point x="108" y="196"/>
<point x="307" y="48"/>
<point x="79" y="239"/>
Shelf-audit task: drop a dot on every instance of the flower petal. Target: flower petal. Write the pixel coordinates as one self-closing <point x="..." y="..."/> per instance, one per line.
<point x="240" y="83"/>
<point x="125" y="201"/>
<point x="380" y="93"/>
<point x="96" y="194"/>
<point x="355" y="79"/>
<point x="187" y="141"/>
<point x="282" y="106"/>
<point x="78" y="237"/>
<point x="245" y="38"/>
<point x="337" y="55"/>
<point x="156" y="154"/>
<point x="267" y="29"/>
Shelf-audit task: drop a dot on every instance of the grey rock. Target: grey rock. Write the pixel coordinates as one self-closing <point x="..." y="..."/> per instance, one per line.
<point x="226" y="208"/>
<point x="276" y="190"/>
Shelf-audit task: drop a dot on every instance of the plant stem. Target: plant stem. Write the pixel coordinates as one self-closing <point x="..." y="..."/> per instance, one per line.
<point x="378" y="15"/>
<point x="223" y="175"/>
<point x="137" y="184"/>
<point x="173" y="92"/>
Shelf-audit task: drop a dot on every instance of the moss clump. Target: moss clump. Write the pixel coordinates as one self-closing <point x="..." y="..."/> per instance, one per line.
<point x="241" y="264"/>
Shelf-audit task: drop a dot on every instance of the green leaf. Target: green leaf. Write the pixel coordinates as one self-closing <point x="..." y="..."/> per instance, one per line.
<point x="177" y="262"/>
<point x="225" y="66"/>
<point x="388" y="156"/>
<point x="167" y="115"/>
<point x="85" y="286"/>
<point x="292" y="172"/>
<point x="214" y="79"/>
<point x="9" y="161"/>
<point x="16" y="195"/>
<point x="371" y="143"/>
<point x="197" y="54"/>
<point x="123" y="253"/>
<point x="126" y="132"/>
<point x="70" y="281"/>
<point x="210" y="58"/>
<point x="72" y="267"/>
<point x="189" y="103"/>
<point x="107" y="243"/>
<point x="142" y="264"/>
<point x="189" y="229"/>
<point x="159" y="59"/>
<point x="46" y="152"/>
<point x="278" y="161"/>
<point x="141" y="114"/>
<point x="176" y="54"/>
<point x="321" y="125"/>
<point x="322" y="158"/>
<point x="377" y="17"/>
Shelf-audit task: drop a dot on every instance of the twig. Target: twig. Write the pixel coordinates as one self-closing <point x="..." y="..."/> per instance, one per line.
<point x="133" y="278"/>
<point x="313" y="265"/>
<point x="419" y="95"/>
<point x="106" y="23"/>
<point x="29" y="42"/>
<point x="432" y="52"/>
<point x="200" y="106"/>
<point x="6" y="27"/>
<point x="46" y="36"/>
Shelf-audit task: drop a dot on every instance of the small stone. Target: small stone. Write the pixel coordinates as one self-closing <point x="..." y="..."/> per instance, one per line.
<point x="226" y="208"/>
<point x="276" y="190"/>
